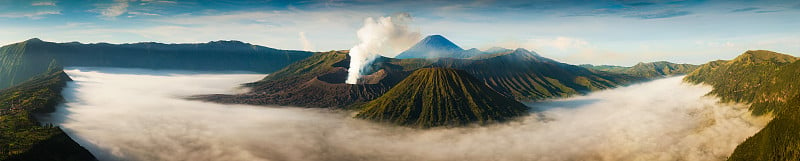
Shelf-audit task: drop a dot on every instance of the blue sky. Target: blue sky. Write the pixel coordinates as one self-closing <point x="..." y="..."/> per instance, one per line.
<point x="621" y="32"/>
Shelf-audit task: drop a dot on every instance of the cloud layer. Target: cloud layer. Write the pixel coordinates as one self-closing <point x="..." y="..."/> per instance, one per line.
<point x="137" y="115"/>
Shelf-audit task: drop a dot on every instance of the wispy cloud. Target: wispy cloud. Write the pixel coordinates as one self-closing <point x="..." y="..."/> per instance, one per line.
<point x="143" y="13"/>
<point x="43" y="4"/>
<point x="769" y="11"/>
<point x="31" y="15"/>
<point x="116" y="9"/>
<point x="660" y="14"/>
<point x="745" y="9"/>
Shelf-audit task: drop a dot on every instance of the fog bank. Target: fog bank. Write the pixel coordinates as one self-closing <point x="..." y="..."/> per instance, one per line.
<point x="140" y="116"/>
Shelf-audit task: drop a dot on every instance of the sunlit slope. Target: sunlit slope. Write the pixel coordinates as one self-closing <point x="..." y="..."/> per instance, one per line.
<point x="21" y="61"/>
<point x="439" y="97"/>
<point x="745" y="78"/>
<point x="767" y="80"/>
<point x="21" y="136"/>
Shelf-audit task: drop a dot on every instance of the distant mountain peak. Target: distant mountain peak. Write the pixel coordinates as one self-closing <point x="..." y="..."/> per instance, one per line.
<point x="496" y="49"/>
<point x="439" y="41"/>
<point x="433" y="46"/>
<point x="524" y="53"/>
<point x="761" y="56"/>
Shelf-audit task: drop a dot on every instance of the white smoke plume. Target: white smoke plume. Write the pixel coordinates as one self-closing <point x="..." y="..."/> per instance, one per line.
<point x="307" y="46"/>
<point x="138" y="115"/>
<point x="384" y="36"/>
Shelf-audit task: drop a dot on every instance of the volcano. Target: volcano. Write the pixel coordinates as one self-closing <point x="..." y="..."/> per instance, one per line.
<point x="432" y="97"/>
<point x="434" y="46"/>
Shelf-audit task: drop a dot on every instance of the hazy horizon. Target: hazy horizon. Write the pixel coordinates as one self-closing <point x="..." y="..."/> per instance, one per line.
<point x="577" y="32"/>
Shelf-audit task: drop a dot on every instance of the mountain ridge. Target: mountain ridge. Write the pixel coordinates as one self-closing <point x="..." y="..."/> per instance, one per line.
<point x="23" y="60"/>
<point x="648" y="69"/>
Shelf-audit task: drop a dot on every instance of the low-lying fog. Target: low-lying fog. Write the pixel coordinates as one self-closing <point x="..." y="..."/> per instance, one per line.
<point x="131" y="114"/>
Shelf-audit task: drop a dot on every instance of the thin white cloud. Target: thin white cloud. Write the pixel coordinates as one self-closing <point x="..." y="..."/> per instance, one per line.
<point x="31" y="15"/>
<point x="116" y="9"/>
<point x="43" y="4"/>
<point x="143" y="13"/>
<point x="161" y="1"/>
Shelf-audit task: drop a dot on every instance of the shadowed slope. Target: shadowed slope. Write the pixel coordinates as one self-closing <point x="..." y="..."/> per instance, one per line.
<point x="439" y="97"/>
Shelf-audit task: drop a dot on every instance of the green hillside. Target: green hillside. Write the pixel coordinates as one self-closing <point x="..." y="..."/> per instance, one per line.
<point x="647" y="70"/>
<point x="441" y="97"/>
<point x="744" y="78"/>
<point x="21" y="136"/>
<point x="21" y="61"/>
<point x="768" y="81"/>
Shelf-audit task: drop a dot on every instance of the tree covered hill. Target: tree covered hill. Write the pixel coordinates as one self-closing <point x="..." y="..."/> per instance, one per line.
<point x="21" y="135"/>
<point x="768" y="81"/>
<point x="745" y="78"/>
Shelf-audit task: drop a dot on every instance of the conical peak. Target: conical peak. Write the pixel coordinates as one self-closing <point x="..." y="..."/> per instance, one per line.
<point x="438" y="41"/>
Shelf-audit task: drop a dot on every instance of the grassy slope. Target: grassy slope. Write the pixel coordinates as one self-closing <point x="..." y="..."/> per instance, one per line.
<point x="21" y="136"/>
<point x="768" y="81"/>
<point x="441" y="97"/>
<point x="745" y="78"/>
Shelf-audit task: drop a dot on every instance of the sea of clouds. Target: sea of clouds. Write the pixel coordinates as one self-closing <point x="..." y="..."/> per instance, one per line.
<point x="137" y="114"/>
